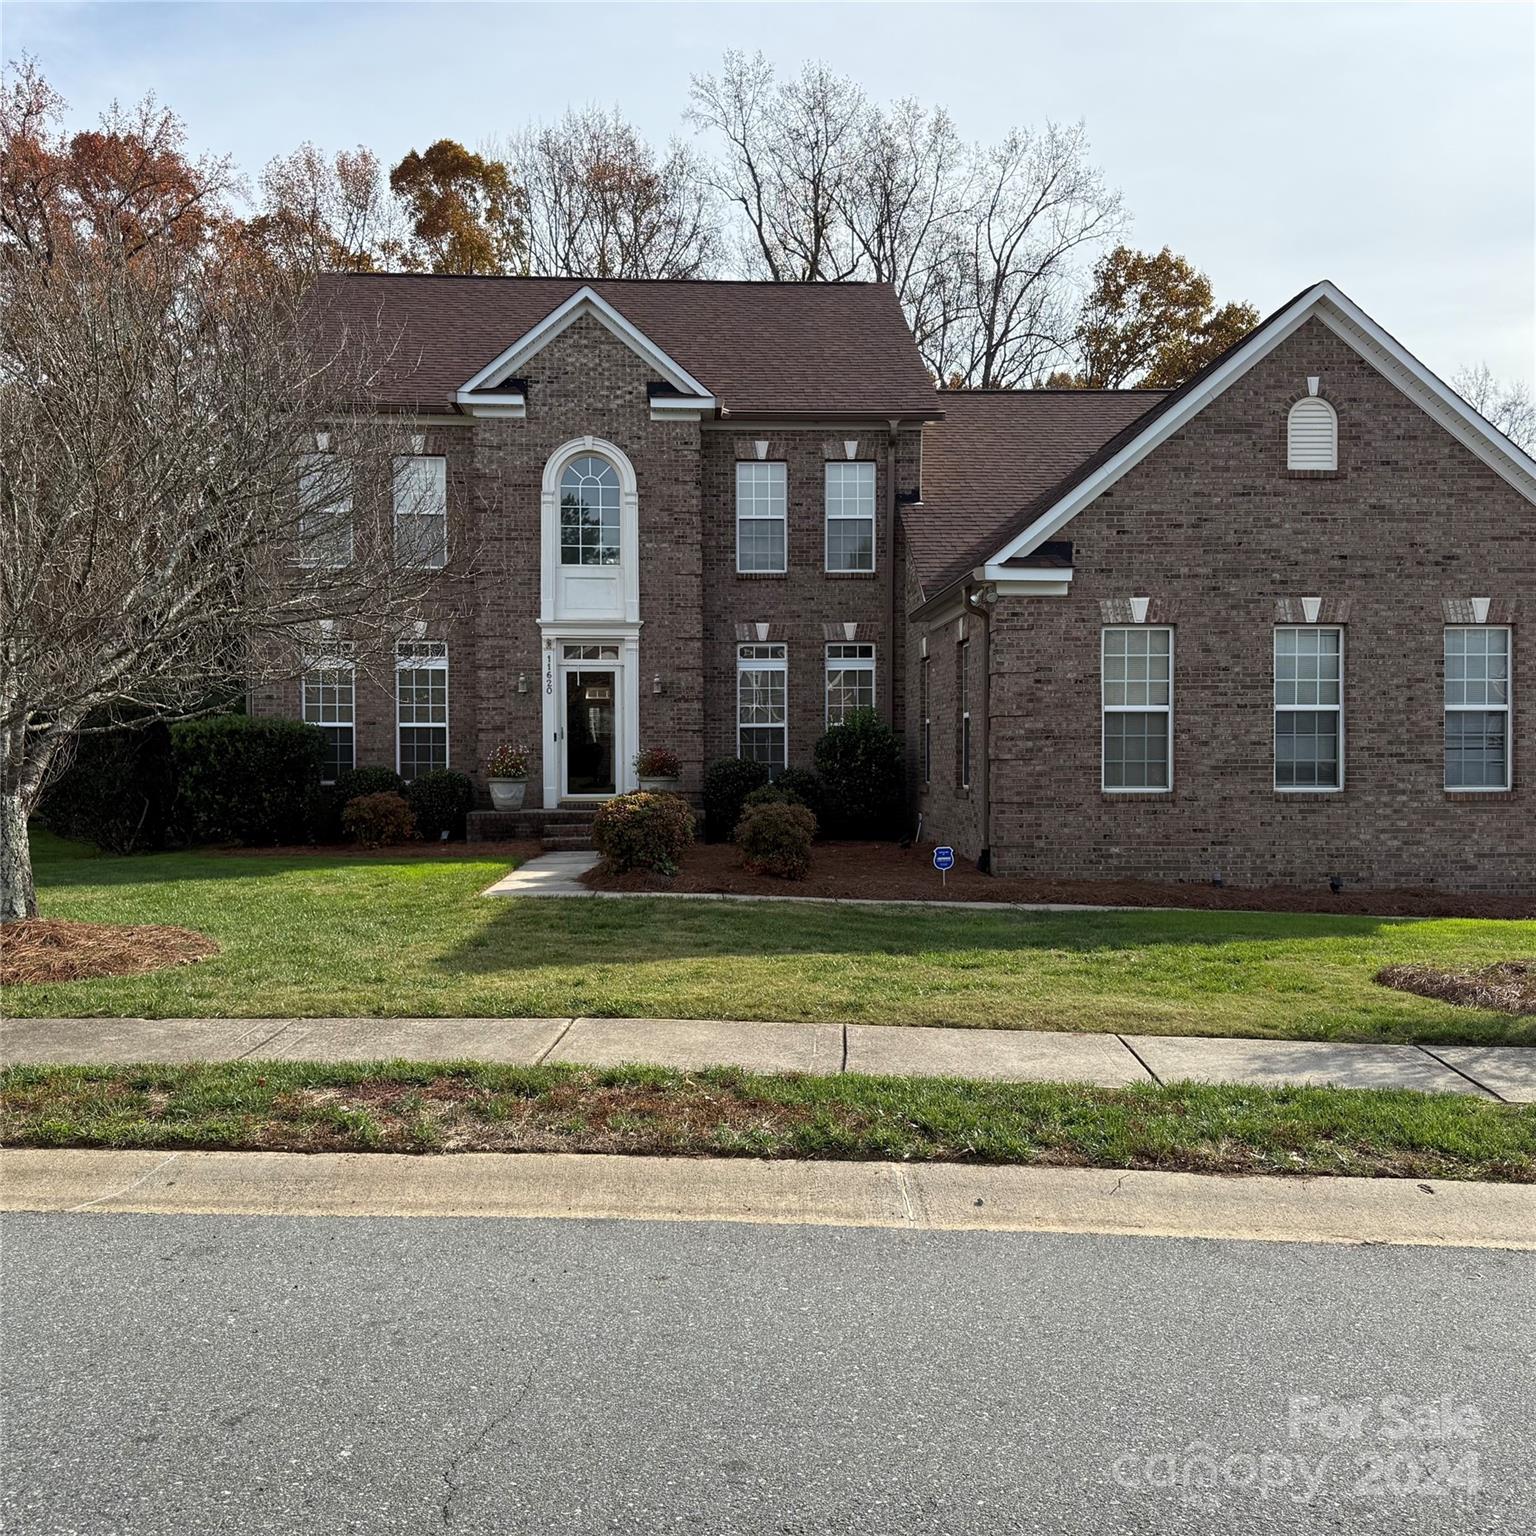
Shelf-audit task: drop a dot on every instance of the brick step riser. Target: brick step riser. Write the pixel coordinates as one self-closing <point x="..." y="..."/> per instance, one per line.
<point x="567" y="844"/>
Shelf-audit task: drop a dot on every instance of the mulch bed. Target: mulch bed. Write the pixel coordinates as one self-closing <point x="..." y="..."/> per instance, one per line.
<point x="1508" y="987"/>
<point x="50" y="949"/>
<point x="886" y="872"/>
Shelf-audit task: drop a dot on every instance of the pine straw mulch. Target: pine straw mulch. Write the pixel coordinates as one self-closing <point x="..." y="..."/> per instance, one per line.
<point x="851" y="871"/>
<point x="51" y="949"/>
<point x="1508" y="987"/>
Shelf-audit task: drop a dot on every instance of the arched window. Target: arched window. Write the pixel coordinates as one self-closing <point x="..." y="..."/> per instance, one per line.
<point x="589" y="512"/>
<point x="1312" y="435"/>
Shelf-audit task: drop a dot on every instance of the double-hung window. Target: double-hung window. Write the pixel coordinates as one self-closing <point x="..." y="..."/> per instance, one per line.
<point x="421" y="511"/>
<point x="325" y="511"/>
<point x="421" y="706"/>
<point x="330" y="696"/>
<point x="761" y="502"/>
<point x="1477" y="692"/>
<point x="1137" y="684"/>
<point x="963" y="693"/>
<point x="851" y="516"/>
<point x="762" y="705"/>
<point x="850" y="680"/>
<point x="1309" y="707"/>
<point x="923" y="707"/>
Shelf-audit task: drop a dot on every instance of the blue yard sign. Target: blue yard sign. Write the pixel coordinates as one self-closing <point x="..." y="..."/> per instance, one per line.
<point x="944" y="861"/>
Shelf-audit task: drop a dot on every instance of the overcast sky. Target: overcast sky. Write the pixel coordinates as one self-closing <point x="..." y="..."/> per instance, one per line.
<point x="1389" y="147"/>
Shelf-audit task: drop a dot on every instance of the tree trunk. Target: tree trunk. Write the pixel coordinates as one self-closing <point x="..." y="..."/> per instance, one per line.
<point x="18" y="896"/>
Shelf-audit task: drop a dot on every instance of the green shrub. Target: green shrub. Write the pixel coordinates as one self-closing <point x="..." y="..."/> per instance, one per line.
<point x="771" y="794"/>
<point x="376" y="821"/>
<point x="240" y="780"/>
<point x="322" y="814"/>
<point x="805" y="786"/>
<point x="368" y="780"/>
<point x="440" y="801"/>
<point x="643" y="830"/>
<point x="776" y="840"/>
<point x="118" y="791"/>
<point x="727" y="783"/>
<point x="863" y="777"/>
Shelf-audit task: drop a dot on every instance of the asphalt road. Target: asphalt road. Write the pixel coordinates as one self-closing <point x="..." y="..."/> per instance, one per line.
<point x="315" y="1375"/>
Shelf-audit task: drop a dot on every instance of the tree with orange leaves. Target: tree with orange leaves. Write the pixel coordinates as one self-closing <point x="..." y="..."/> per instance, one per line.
<point x="464" y="210"/>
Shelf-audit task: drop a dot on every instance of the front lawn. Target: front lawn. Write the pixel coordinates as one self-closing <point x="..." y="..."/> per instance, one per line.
<point x="425" y="1107"/>
<point x="327" y="936"/>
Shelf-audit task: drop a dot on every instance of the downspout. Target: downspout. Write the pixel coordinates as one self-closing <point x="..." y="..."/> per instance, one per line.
<point x="892" y="582"/>
<point x="979" y="601"/>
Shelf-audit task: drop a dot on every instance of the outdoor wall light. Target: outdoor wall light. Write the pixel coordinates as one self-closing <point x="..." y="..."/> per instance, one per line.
<point x="656" y="686"/>
<point x="522" y="682"/>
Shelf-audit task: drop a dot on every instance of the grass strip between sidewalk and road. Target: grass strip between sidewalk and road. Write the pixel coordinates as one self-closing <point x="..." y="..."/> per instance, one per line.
<point x="464" y="1106"/>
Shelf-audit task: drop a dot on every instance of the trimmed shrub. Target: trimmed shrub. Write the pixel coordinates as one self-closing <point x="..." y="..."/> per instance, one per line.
<point x="771" y="794"/>
<point x="375" y="821"/>
<point x="727" y="783"/>
<point x="240" y="780"/>
<point x="440" y="801"/>
<point x="368" y="780"/>
<point x="776" y="840"/>
<point x="805" y="786"/>
<point x="863" y="776"/>
<point x="643" y="830"/>
<point x="658" y="763"/>
<point x="119" y="790"/>
<point x="322" y="814"/>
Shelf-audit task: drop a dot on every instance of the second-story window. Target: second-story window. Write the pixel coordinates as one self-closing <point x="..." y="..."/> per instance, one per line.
<point x="761" y="545"/>
<point x="851" y="516"/>
<point x="589" y="513"/>
<point x="421" y="511"/>
<point x="325" y="511"/>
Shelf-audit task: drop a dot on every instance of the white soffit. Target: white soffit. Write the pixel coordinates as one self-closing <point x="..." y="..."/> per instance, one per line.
<point x="1348" y="321"/>
<point x="585" y="301"/>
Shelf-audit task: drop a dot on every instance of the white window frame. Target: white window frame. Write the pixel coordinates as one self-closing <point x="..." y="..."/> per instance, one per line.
<point x="1507" y="709"/>
<point x="415" y="504"/>
<point x="925" y="707"/>
<point x="307" y="556"/>
<point x="314" y="667"/>
<point x="863" y="661"/>
<point x="841" y="467"/>
<point x="777" y="496"/>
<point x="965" y="714"/>
<point x="776" y="660"/>
<point x="423" y="656"/>
<point x="1277" y="709"/>
<point x="1106" y="709"/>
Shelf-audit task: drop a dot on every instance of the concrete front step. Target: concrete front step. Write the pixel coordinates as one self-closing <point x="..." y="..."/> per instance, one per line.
<point x="506" y="826"/>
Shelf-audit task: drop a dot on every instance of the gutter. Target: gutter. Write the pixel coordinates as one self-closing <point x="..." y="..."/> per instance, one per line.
<point x="979" y="601"/>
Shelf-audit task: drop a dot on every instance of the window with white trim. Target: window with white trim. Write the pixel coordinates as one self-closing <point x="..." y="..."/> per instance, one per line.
<point x="851" y="515"/>
<point x="1309" y="707"/>
<point x="329" y="703"/>
<point x="1477" y="707"/>
<point x="1312" y="435"/>
<point x="923" y="706"/>
<point x="762" y="705"/>
<point x="964" y="695"/>
<point x="761" y="516"/>
<point x="421" y="707"/>
<point x="421" y="510"/>
<point x="1137" y="705"/>
<point x="850" y="680"/>
<point x="325" y="511"/>
<point x="589" y="512"/>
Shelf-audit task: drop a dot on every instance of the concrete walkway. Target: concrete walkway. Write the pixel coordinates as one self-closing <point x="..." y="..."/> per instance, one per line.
<point x="551" y="874"/>
<point x="1496" y="1072"/>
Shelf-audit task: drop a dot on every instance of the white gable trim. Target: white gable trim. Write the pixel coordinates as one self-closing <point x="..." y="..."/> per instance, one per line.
<point x="1348" y="321"/>
<point x="692" y="395"/>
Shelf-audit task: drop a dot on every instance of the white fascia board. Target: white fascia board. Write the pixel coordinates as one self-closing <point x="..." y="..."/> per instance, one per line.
<point x="1026" y="577"/>
<point x="586" y="301"/>
<point x="487" y="404"/>
<point x="680" y="407"/>
<point x="1348" y="321"/>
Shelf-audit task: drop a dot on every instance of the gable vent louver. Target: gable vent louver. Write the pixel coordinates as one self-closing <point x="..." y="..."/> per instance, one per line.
<point x="1312" y="435"/>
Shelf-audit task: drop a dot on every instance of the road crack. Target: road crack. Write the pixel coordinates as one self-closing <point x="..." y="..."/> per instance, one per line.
<point x="451" y="1471"/>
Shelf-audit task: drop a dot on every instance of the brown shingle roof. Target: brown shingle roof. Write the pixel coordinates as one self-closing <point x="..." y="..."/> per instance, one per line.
<point x="778" y="349"/>
<point x="996" y="452"/>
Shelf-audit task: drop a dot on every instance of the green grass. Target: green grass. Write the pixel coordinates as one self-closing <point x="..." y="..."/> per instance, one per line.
<point x="314" y="936"/>
<point x="427" y="1107"/>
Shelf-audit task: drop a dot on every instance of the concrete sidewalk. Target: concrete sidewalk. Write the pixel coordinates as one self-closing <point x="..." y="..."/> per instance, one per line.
<point x="1506" y="1073"/>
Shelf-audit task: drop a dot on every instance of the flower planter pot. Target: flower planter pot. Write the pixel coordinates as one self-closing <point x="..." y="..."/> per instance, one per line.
<point x="660" y="786"/>
<point x="507" y="794"/>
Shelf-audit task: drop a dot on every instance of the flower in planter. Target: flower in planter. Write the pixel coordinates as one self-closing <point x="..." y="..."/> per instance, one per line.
<point x="657" y="763"/>
<point x="508" y="761"/>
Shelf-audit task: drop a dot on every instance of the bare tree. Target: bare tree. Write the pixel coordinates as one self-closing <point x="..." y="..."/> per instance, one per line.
<point x="1507" y="406"/>
<point x="598" y="201"/>
<point x="169" y="524"/>
<point x="791" y="152"/>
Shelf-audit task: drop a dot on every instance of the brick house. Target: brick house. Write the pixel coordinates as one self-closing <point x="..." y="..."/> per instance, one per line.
<point x="1263" y="627"/>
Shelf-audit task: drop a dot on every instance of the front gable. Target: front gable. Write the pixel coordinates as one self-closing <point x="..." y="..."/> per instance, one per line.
<point x="497" y="389"/>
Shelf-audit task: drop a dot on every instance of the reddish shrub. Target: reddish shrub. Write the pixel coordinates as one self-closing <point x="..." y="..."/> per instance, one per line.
<point x="776" y="840"/>
<point x="372" y="821"/>
<point x="643" y="830"/>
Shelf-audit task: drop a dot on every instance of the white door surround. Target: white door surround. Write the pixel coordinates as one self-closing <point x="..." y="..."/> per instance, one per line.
<point x="561" y="648"/>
